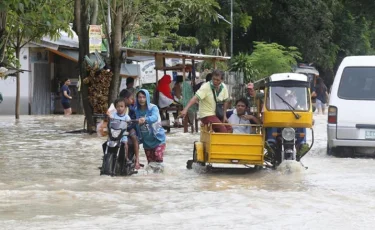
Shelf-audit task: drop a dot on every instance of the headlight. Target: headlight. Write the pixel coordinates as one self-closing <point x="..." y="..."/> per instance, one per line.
<point x="115" y="133"/>
<point x="111" y="143"/>
<point x="288" y="134"/>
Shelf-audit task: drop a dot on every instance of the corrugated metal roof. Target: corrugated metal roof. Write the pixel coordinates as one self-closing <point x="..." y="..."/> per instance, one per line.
<point x="139" y="54"/>
<point x="64" y="40"/>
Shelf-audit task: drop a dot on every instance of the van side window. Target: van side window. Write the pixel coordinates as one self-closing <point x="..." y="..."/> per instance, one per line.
<point x="357" y="83"/>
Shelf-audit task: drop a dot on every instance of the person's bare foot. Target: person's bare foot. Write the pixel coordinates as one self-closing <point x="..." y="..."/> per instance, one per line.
<point x="137" y="166"/>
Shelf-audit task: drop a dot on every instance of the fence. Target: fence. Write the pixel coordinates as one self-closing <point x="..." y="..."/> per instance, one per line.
<point x="236" y="85"/>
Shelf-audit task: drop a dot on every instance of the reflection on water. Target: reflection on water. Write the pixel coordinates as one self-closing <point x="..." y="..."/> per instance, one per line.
<point x="50" y="180"/>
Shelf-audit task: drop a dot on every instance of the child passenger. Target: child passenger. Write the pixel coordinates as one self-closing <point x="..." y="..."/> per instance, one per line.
<point x="127" y="96"/>
<point x="120" y="114"/>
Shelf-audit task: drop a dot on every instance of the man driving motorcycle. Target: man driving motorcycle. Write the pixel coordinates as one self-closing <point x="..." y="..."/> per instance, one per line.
<point x="287" y="98"/>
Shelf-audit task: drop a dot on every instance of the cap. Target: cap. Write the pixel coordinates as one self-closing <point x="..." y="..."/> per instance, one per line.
<point x="250" y="85"/>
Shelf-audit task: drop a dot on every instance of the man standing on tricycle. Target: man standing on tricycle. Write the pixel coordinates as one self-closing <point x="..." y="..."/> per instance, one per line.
<point x="213" y="101"/>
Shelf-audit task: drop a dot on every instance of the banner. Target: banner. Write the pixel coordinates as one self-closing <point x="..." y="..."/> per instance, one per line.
<point x="95" y="36"/>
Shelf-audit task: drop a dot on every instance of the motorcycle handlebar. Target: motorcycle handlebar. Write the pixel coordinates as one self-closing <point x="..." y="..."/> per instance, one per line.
<point x="130" y="121"/>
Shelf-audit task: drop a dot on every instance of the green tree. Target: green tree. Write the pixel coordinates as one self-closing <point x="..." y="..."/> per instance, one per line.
<point x="242" y="63"/>
<point x="211" y="65"/>
<point x="364" y="8"/>
<point x="149" y="18"/>
<point x="270" y="58"/>
<point x="30" y="20"/>
<point x="325" y="31"/>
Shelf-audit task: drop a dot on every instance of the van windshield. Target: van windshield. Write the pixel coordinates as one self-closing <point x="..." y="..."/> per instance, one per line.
<point x="357" y="83"/>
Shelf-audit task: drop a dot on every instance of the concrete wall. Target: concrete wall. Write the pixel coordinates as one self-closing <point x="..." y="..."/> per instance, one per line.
<point x="8" y="88"/>
<point x="7" y="107"/>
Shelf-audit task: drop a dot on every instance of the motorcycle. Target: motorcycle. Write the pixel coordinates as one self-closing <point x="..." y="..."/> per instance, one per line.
<point x="287" y="145"/>
<point x="287" y="114"/>
<point x="114" y="160"/>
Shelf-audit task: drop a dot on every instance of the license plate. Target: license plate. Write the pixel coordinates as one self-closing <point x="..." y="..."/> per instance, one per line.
<point x="370" y="134"/>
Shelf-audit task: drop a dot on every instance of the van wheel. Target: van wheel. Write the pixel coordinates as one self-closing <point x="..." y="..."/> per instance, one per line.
<point x="347" y="152"/>
<point x="331" y="151"/>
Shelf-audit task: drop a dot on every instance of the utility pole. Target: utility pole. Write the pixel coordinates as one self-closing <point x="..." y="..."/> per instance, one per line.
<point x="231" y="28"/>
<point x="109" y="26"/>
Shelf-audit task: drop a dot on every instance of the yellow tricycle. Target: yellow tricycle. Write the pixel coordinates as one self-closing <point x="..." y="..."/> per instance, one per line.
<point x="286" y="112"/>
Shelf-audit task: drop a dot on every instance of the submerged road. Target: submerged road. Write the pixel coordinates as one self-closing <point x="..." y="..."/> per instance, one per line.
<point x="50" y="180"/>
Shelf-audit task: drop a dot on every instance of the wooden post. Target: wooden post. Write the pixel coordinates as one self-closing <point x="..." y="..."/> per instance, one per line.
<point x="214" y="63"/>
<point x="164" y="65"/>
<point x="186" y="118"/>
<point x="193" y="74"/>
<point x="183" y="68"/>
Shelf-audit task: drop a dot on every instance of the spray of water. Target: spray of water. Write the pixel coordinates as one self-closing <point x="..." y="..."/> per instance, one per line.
<point x="154" y="167"/>
<point x="198" y="168"/>
<point x="290" y="166"/>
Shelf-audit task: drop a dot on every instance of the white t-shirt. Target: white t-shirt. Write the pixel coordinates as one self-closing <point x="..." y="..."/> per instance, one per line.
<point x="235" y="119"/>
<point x="112" y="109"/>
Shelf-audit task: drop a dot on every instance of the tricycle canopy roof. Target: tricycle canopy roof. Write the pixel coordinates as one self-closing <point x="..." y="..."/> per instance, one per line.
<point x="140" y="53"/>
<point x="286" y="79"/>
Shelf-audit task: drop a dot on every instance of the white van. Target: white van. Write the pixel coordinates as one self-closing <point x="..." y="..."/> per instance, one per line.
<point x="351" y="112"/>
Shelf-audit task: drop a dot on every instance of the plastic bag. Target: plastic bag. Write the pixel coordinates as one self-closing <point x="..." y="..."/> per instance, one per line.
<point x="101" y="128"/>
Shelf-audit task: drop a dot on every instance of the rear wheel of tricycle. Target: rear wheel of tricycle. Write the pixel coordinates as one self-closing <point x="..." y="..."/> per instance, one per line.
<point x="189" y="163"/>
<point x="258" y="167"/>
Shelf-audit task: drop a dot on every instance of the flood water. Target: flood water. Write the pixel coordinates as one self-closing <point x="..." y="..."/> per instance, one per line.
<point x="50" y="180"/>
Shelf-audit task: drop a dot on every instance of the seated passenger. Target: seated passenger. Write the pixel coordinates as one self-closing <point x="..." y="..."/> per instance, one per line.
<point x="165" y="95"/>
<point x="177" y="88"/>
<point x="177" y="94"/>
<point x="130" y="85"/>
<point x="240" y="116"/>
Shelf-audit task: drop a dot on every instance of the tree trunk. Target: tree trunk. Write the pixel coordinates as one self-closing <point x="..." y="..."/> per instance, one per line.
<point x="77" y="17"/>
<point x="94" y="12"/>
<point x="116" y="58"/>
<point x="17" y="112"/>
<point x="3" y="23"/>
<point x="81" y="28"/>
